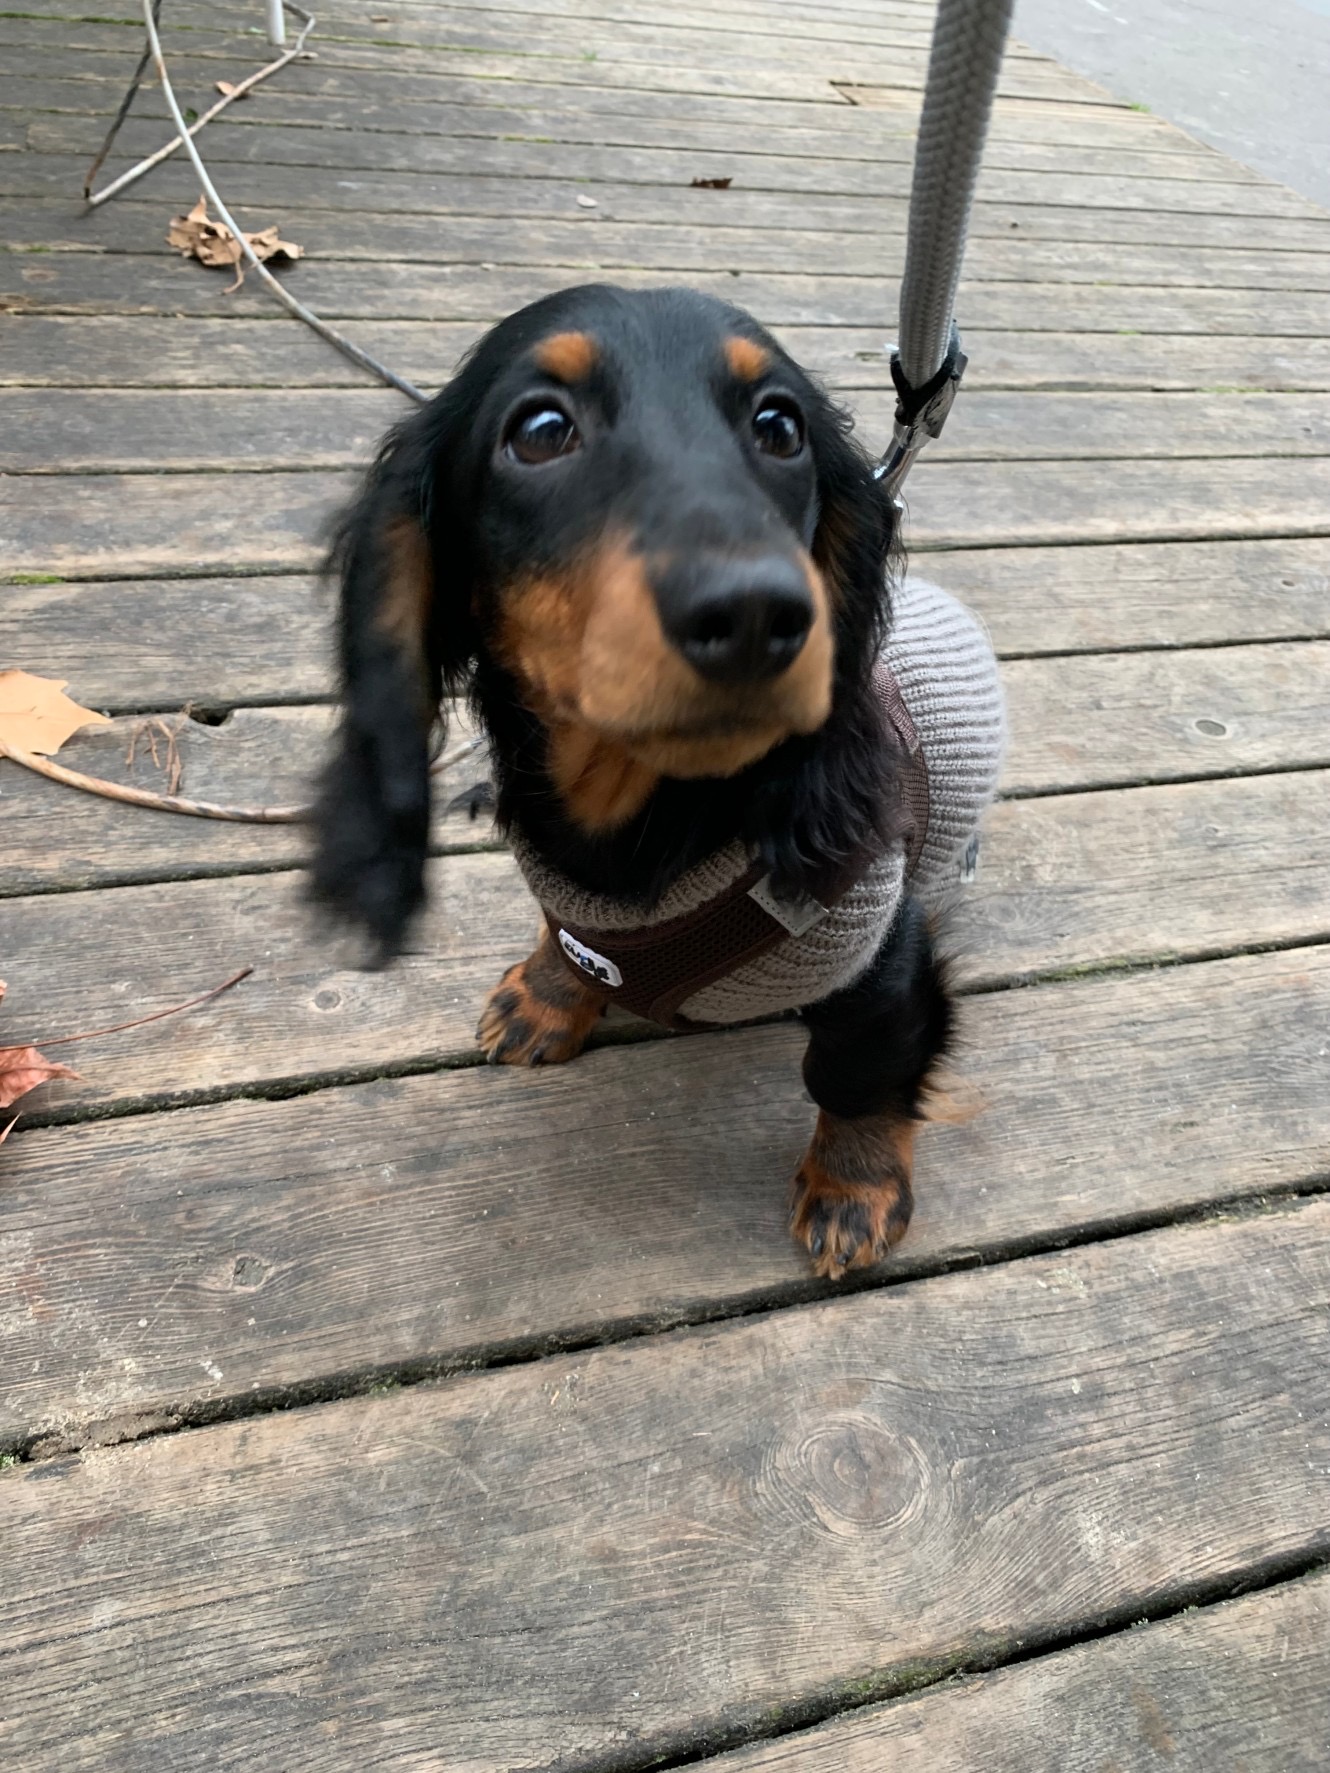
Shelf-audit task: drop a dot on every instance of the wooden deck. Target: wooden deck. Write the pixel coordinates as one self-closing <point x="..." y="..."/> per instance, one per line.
<point x="366" y="1407"/>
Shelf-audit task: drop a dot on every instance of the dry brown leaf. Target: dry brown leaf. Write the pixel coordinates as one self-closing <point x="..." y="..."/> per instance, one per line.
<point x="22" y="1069"/>
<point x="196" y="236"/>
<point x="712" y="184"/>
<point x="226" y="89"/>
<point x="36" y="714"/>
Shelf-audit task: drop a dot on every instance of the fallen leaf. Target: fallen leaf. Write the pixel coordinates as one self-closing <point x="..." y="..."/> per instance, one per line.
<point x="196" y="236"/>
<point x="37" y="715"/>
<point x="22" y="1069"/>
<point x="712" y="184"/>
<point x="227" y="89"/>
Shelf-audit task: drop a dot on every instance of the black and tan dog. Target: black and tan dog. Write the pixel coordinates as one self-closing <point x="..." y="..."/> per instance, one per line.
<point x="646" y="545"/>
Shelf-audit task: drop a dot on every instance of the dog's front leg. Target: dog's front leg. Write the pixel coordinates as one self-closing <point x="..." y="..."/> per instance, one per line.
<point x="540" y="1012"/>
<point x="873" y="1046"/>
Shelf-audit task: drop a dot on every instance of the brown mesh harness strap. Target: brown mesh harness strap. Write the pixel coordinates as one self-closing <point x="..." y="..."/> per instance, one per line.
<point x="914" y="783"/>
<point x="654" y="969"/>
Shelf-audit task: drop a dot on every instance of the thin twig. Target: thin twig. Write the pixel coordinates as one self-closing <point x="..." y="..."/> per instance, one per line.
<point x="169" y="148"/>
<point x="177" y="803"/>
<point x="6" y="1131"/>
<point x="120" y="116"/>
<point x="166" y="803"/>
<point x="284" y="296"/>
<point x="63" y="1040"/>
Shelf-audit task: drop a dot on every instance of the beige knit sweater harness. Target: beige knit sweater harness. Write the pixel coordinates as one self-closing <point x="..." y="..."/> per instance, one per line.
<point x="943" y="662"/>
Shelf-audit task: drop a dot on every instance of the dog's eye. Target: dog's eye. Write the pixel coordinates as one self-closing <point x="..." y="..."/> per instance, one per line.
<point x="540" y="434"/>
<point x="778" y="429"/>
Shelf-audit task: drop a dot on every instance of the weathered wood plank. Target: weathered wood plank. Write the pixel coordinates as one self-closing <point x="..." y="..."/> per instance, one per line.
<point x="677" y="1218"/>
<point x="659" y="69"/>
<point x="360" y="100"/>
<point x="95" y="351"/>
<point x="1037" y="178"/>
<point x="1069" y="1452"/>
<point x="1102" y="721"/>
<point x="174" y="643"/>
<point x="57" y="178"/>
<point x="830" y="112"/>
<point x="1170" y="872"/>
<point x="595" y="243"/>
<point x="333" y="134"/>
<point x="91" y="525"/>
<point x="106" y="431"/>
<point x="1039" y="600"/>
<point x="1238" y="1685"/>
<point x="72" y="282"/>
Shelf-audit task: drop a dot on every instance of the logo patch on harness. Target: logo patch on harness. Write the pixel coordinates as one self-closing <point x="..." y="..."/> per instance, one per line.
<point x="603" y="971"/>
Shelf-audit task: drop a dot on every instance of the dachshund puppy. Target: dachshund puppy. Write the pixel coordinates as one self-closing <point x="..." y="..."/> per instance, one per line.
<point x="730" y="759"/>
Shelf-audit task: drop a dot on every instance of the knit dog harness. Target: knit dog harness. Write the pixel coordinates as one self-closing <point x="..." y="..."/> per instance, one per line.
<point x="653" y="970"/>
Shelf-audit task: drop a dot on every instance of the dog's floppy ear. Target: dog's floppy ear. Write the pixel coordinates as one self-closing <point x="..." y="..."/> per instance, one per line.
<point x="402" y="632"/>
<point x="855" y="533"/>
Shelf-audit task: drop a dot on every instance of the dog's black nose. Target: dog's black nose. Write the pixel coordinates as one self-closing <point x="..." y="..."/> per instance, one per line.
<point x="746" y="622"/>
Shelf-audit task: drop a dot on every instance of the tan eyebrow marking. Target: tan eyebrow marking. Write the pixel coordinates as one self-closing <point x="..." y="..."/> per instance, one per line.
<point x="571" y="356"/>
<point x="747" y="359"/>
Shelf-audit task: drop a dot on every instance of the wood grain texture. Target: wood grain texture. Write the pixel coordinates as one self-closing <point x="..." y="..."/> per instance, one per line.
<point x="1143" y="874"/>
<point x="78" y="431"/>
<point x="417" y="1221"/>
<point x="608" y="1553"/>
<point x="1243" y="1684"/>
<point x="1173" y="594"/>
<point x="339" y="222"/>
<point x="107" y="351"/>
<point x="1043" y="178"/>
<point x="350" y="289"/>
<point x="51" y="177"/>
<point x="354" y="101"/>
<point x="89" y="526"/>
<point x="659" y="67"/>
<point x="172" y="643"/>
<point x="1094" y="722"/>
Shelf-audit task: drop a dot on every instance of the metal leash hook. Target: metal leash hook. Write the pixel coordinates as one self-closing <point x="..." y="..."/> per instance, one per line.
<point x="920" y="414"/>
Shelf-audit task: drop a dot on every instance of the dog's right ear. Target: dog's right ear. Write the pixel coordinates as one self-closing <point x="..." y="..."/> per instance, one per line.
<point x="401" y="634"/>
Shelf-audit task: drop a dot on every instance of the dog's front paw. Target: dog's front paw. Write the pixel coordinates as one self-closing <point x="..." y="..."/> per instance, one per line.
<point x="852" y="1198"/>
<point x="538" y="1013"/>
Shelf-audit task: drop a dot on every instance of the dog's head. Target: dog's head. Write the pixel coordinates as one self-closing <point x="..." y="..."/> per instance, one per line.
<point x="632" y="515"/>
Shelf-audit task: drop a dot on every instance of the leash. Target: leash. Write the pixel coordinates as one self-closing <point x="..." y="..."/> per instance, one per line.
<point x="927" y="364"/>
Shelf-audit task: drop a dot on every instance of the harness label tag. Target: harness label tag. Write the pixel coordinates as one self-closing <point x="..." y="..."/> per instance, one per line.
<point x="603" y="971"/>
<point x="795" y="915"/>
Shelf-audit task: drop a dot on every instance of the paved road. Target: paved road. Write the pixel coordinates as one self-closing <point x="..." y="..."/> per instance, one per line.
<point x="1252" y="79"/>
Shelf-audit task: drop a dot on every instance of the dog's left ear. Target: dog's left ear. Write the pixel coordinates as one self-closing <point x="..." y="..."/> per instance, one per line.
<point x="855" y="528"/>
<point x="404" y="629"/>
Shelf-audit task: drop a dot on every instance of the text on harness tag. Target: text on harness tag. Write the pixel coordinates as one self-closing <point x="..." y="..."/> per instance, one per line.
<point x="594" y="965"/>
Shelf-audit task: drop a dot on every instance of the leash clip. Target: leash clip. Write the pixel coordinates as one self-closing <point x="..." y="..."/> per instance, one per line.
<point x="920" y="413"/>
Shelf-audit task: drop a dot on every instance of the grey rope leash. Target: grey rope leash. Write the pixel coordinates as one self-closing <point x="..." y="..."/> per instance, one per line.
<point x="927" y="364"/>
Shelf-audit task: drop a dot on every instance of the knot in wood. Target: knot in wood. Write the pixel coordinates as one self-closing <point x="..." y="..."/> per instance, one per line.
<point x="846" y="1475"/>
